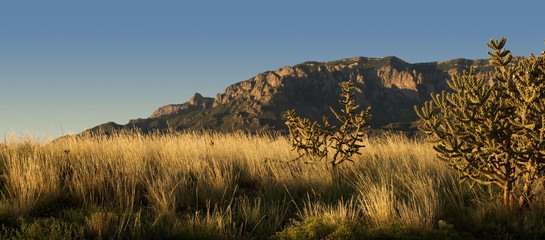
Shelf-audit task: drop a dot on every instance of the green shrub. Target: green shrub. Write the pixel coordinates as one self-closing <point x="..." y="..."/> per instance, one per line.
<point x="315" y="228"/>
<point x="44" y="229"/>
<point x="322" y="228"/>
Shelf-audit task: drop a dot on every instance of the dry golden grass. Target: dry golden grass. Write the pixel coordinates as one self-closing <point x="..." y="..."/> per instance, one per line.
<point x="234" y="185"/>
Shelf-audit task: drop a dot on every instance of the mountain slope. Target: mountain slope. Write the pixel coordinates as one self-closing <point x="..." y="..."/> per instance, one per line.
<point x="389" y="85"/>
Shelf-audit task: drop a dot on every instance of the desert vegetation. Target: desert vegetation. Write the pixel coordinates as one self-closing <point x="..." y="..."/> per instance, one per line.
<point x="209" y="185"/>
<point x="181" y="186"/>
<point x="313" y="142"/>
<point x="494" y="133"/>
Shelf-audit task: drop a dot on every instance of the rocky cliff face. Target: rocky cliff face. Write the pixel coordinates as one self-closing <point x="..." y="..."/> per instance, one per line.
<point x="197" y="102"/>
<point x="389" y="85"/>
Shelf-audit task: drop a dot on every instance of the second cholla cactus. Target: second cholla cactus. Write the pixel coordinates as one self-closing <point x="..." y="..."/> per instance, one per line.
<point x="493" y="134"/>
<point x="314" y="141"/>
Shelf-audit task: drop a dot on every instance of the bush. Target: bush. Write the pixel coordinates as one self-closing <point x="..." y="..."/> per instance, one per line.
<point x="44" y="229"/>
<point x="322" y="228"/>
<point x="315" y="228"/>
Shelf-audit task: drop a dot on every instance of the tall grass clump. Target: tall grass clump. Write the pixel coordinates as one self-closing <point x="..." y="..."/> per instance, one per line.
<point x="130" y="185"/>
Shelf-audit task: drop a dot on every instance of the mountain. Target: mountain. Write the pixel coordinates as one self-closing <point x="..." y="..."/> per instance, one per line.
<point x="389" y="85"/>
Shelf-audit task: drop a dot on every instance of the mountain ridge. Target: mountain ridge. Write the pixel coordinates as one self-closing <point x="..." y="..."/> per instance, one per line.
<point x="389" y="85"/>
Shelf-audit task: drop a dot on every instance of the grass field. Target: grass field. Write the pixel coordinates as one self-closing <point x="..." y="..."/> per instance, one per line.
<point x="239" y="186"/>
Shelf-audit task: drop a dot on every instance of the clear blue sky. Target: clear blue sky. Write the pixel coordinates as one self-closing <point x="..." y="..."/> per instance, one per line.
<point x="66" y="66"/>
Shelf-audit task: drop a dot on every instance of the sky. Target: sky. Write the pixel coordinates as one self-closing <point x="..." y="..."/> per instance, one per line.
<point x="66" y="66"/>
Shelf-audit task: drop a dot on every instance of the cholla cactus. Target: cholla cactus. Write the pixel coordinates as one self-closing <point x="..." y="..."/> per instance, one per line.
<point x="493" y="134"/>
<point x="314" y="142"/>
